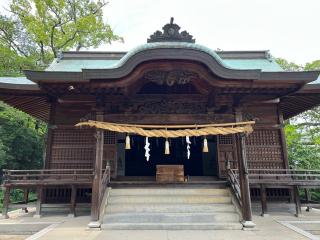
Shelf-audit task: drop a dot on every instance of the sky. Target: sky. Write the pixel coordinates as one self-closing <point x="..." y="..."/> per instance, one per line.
<point x="288" y="28"/>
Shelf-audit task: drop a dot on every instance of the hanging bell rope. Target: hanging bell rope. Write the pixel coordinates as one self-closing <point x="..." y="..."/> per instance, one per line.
<point x="176" y="130"/>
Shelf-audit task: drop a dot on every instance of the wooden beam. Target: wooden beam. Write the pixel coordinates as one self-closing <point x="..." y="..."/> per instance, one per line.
<point x="73" y="201"/>
<point x="263" y="198"/>
<point x="308" y="199"/>
<point x="283" y="140"/>
<point x="95" y="210"/>
<point x="39" y="202"/>
<point x="26" y="199"/>
<point x="244" y="181"/>
<point x="297" y="201"/>
<point x="50" y="134"/>
<point x="243" y="175"/>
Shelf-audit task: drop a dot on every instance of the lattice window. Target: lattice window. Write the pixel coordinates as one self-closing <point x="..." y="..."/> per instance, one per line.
<point x="263" y="137"/>
<point x="109" y="137"/>
<point x="72" y="136"/>
<point x="226" y="139"/>
<point x="264" y="149"/>
<point x="72" y="148"/>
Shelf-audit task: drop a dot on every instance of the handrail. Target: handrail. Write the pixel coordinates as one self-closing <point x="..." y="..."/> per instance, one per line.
<point x="104" y="182"/>
<point x="292" y="176"/>
<point x="46" y="175"/>
<point x="235" y="185"/>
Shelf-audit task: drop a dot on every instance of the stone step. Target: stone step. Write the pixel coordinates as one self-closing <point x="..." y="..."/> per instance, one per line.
<point x="172" y="226"/>
<point x="170" y="191"/>
<point x="167" y="208"/>
<point x="170" y="199"/>
<point x="153" y="184"/>
<point x="171" y="217"/>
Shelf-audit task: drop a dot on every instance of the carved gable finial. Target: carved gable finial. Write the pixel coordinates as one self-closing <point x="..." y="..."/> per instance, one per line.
<point x="171" y="34"/>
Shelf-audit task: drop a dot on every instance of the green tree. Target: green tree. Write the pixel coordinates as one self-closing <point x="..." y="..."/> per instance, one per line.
<point x="315" y="65"/>
<point x="37" y="30"/>
<point x="21" y="139"/>
<point x="303" y="131"/>
<point x="288" y="66"/>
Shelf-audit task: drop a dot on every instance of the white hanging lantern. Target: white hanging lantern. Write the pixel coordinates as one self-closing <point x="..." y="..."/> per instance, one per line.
<point x="167" y="147"/>
<point x="205" y="145"/>
<point x="128" y="145"/>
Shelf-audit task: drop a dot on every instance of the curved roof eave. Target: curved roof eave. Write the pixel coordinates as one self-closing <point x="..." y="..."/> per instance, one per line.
<point x="171" y="51"/>
<point x="151" y="52"/>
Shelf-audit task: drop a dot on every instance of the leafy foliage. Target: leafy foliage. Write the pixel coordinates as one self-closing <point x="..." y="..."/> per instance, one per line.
<point x="315" y="65"/>
<point x="16" y="195"/>
<point x="288" y="66"/>
<point x="21" y="140"/>
<point x="37" y="30"/>
<point x="303" y="131"/>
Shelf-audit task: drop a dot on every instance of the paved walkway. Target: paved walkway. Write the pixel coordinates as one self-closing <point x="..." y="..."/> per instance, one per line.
<point x="64" y="228"/>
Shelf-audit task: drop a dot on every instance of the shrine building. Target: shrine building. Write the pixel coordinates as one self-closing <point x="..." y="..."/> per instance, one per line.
<point x="168" y="114"/>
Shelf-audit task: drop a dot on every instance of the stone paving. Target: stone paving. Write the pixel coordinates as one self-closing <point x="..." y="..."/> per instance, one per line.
<point x="76" y="228"/>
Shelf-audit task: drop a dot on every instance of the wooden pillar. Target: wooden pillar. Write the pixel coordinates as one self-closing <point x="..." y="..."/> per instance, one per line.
<point x="263" y="198"/>
<point x="26" y="199"/>
<point x="73" y="201"/>
<point x="297" y="200"/>
<point x="39" y="202"/>
<point x="244" y="183"/>
<point x="308" y="199"/>
<point x="95" y="208"/>
<point x="50" y="130"/>
<point x="284" y="148"/>
<point x="6" y="202"/>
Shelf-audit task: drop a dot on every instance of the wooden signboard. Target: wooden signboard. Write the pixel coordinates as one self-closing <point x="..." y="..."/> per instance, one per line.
<point x="170" y="173"/>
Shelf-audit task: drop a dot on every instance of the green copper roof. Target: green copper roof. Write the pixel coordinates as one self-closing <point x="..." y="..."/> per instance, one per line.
<point x="15" y="80"/>
<point x="77" y="64"/>
<point x="266" y="65"/>
<point x="165" y="45"/>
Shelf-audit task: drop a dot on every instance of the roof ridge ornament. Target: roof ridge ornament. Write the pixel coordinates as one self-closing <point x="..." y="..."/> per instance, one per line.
<point x="171" y="34"/>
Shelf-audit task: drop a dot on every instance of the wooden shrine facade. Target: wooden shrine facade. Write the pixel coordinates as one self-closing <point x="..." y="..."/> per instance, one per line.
<point x="169" y="80"/>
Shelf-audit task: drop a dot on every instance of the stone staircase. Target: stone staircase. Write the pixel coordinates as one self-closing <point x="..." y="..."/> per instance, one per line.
<point x="166" y="207"/>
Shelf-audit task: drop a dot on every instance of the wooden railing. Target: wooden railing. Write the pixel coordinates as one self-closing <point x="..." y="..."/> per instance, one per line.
<point x="287" y="177"/>
<point x="293" y="179"/>
<point x="105" y="180"/>
<point x="46" y="177"/>
<point x="234" y="183"/>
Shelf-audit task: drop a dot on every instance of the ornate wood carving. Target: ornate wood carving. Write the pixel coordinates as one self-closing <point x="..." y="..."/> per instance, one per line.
<point x="171" y="78"/>
<point x="166" y="106"/>
<point x="171" y="33"/>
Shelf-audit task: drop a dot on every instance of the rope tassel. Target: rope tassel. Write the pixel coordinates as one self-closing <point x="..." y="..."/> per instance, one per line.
<point x="167" y="147"/>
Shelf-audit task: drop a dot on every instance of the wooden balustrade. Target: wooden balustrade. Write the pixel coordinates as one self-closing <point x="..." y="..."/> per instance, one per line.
<point x="15" y="178"/>
<point x="40" y="180"/>
<point x="293" y="179"/>
<point x="235" y="185"/>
